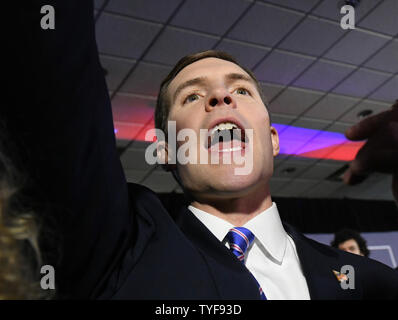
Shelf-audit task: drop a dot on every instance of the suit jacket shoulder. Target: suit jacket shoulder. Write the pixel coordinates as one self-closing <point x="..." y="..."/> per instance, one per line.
<point x="322" y="266"/>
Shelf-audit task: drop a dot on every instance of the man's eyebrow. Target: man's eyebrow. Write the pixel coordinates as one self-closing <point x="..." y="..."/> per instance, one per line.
<point x="239" y="76"/>
<point x="189" y="83"/>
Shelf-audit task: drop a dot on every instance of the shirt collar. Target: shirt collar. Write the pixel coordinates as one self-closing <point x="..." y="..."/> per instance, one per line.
<point x="217" y="226"/>
<point x="266" y="226"/>
<point x="269" y="231"/>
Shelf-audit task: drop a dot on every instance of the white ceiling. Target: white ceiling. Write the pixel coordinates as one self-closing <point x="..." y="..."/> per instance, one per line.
<point x="314" y="73"/>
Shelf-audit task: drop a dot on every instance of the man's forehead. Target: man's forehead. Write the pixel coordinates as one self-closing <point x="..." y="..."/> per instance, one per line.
<point x="206" y="67"/>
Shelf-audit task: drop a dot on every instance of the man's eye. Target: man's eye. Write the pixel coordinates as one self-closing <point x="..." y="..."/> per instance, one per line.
<point x="242" y="91"/>
<point x="191" y="98"/>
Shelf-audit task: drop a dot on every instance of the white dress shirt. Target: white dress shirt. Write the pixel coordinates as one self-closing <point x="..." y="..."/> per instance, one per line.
<point x="271" y="258"/>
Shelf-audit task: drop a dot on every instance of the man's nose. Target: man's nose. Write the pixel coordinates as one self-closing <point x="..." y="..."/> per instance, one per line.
<point x="220" y="98"/>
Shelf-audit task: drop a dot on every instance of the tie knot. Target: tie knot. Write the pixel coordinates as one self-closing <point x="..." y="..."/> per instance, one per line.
<point x="239" y="240"/>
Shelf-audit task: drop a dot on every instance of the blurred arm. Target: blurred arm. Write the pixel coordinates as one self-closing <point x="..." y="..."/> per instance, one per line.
<point x="62" y="123"/>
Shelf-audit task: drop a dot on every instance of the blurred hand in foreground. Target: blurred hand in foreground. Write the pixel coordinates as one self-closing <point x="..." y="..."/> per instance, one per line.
<point x="380" y="152"/>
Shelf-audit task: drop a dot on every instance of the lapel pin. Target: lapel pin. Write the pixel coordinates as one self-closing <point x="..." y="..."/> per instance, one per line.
<point x="340" y="276"/>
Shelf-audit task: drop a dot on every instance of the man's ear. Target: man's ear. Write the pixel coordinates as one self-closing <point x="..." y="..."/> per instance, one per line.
<point x="164" y="155"/>
<point x="275" y="141"/>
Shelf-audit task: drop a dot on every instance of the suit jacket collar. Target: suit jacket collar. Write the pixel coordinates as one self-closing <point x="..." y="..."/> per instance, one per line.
<point x="318" y="263"/>
<point x="232" y="279"/>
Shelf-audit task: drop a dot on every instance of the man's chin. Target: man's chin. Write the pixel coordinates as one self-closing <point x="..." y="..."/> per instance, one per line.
<point x="221" y="182"/>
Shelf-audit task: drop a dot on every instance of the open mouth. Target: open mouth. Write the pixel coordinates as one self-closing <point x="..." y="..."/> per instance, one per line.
<point x="226" y="136"/>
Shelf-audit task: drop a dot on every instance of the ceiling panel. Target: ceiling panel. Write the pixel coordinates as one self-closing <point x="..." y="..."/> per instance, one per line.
<point x="323" y="190"/>
<point x="291" y="142"/>
<point x="195" y="15"/>
<point x="297" y="187"/>
<point x="331" y="9"/>
<point x="294" y="101"/>
<point x="247" y="54"/>
<point x="130" y="132"/>
<point x="321" y="170"/>
<point x="291" y="169"/>
<point x="146" y="79"/>
<point x="184" y="42"/>
<point x="388" y="92"/>
<point x="281" y="118"/>
<point x="270" y="90"/>
<point x="309" y="161"/>
<point x="310" y="123"/>
<point x="129" y="108"/>
<point x="134" y="159"/>
<point x="178" y="189"/>
<point x="160" y="182"/>
<point x="339" y="127"/>
<point x="323" y="151"/>
<point x="354" y="191"/>
<point x="278" y="160"/>
<point x="116" y="70"/>
<point x="386" y="59"/>
<point x="121" y="143"/>
<point x="383" y="19"/>
<point x="124" y="37"/>
<point x="258" y="25"/>
<point x="365" y="45"/>
<point x="376" y="107"/>
<point x="380" y="190"/>
<point x="343" y="151"/>
<point x="277" y="184"/>
<point x="154" y="10"/>
<point x="331" y="107"/>
<point x="138" y="145"/>
<point x="302" y="5"/>
<point x="281" y="67"/>
<point x="361" y="83"/>
<point x="135" y="176"/>
<point x="314" y="77"/>
<point x="312" y="37"/>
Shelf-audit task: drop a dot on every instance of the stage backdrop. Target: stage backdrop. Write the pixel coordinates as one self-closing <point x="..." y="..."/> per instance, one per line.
<point x="383" y="246"/>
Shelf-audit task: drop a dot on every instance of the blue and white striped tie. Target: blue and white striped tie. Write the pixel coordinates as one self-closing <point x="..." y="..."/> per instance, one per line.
<point x="239" y="240"/>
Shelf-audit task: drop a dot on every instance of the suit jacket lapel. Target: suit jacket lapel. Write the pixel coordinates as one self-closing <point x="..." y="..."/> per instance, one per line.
<point x="232" y="279"/>
<point x="318" y="265"/>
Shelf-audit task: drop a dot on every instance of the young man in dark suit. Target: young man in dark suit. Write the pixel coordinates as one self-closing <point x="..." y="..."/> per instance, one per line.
<point x="119" y="242"/>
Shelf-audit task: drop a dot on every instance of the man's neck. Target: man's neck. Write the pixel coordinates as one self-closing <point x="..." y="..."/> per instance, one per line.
<point x="237" y="211"/>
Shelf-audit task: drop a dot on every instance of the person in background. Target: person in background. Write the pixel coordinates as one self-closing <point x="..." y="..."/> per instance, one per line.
<point x="350" y="241"/>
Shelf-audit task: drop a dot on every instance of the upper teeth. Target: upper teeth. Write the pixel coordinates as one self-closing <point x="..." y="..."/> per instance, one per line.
<point x="224" y="126"/>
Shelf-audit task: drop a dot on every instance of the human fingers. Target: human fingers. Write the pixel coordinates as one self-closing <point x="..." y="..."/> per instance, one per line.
<point x="365" y="128"/>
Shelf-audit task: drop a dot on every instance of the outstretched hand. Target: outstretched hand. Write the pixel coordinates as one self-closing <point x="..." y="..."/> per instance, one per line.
<point x="380" y="152"/>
